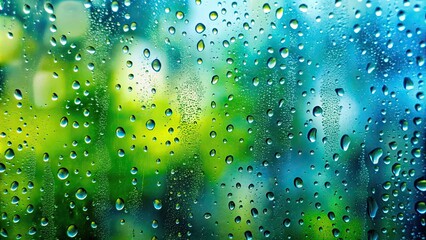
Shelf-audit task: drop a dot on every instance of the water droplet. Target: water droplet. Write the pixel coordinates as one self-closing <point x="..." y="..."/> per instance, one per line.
<point x="180" y="15"/>
<point x="229" y="159"/>
<point x="63" y="122"/>
<point x="312" y="135"/>
<point x="146" y="53"/>
<point x="284" y="52"/>
<point x="266" y="8"/>
<point x="199" y="28"/>
<point x="420" y="184"/>
<point x="287" y="222"/>
<point x="48" y="7"/>
<point x="156" y="65"/>
<point x="215" y="79"/>
<point x="408" y="83"/>
<point x="9" y="154"/>
<point x="421" y="207"/>
<point x="150" y="124"/>
<point x="375" y="155"/>
<point x="370" y="67"/>
<point x="213" y="15"/>
<point x="81" y="194"/>
<point x="72" y="231"/>
<point x="120" y="133"/>
<point x="270" y="196"/>
<point x="294" y="24"/>
<point x="372" y="207"/>
<point x="63" y="173"/>
<point x="303" y="7"/>
<point x="157" y="204"/>
<point x="200" y="45"/>
<point x="119" y="204"/>
<point x="18" y="94"/>
<point x="279" y="13"/>
<point x="345" y="142"/>
<point x="207" y="215"/>
<point x="298" y="182"/>
<point x="317" y="111"/>
<point x="272" y="62"/>
<point x="340" y="92"/>
<point x="26" y="9"/>
<point x="168" y="112"/>
<point x="114" y="6"/>
<point x="396" y="169"/>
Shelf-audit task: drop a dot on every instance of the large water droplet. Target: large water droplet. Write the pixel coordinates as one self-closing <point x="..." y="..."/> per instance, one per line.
<point x="119" y="204"/>
<point x="345" y="142"/>
<point x="120" y="133"/>
<point x="18" y="94"/>
<point x="298" y="182"/>
<point x="9" y="154"/>
<point x="81" y="194"/>
<point x="420" y="184"/>
<point x="156" y="65"/>
<point x="375" y="155"/>
<point x="157" y="204"/>
<point x="317" y="111"/>
<point x="279" y="13"/>
<point x="72" y="231"/>
<point x="372" y="207"/>
<point x="284" y="52"/>
<point x="272" y="62"/>
<point x="150" y="124"/>
<point x="63" y="173"/>
<point x="312" y="135"/>
<point x="199" y="28"/>
<point x="408" y="83"/>
<point x="421" y="207"/>
<point x="200" y="45"/>
<point x="63" y="122"/>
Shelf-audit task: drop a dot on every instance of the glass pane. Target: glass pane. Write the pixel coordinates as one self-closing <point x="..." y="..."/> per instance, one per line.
<point x="125" y="119"/>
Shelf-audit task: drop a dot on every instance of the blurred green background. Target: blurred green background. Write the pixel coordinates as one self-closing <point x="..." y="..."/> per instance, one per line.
<point x="212" y="119"/>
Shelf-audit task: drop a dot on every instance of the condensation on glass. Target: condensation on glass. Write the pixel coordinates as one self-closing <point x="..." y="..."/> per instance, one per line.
<point x="125" y="119"/>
